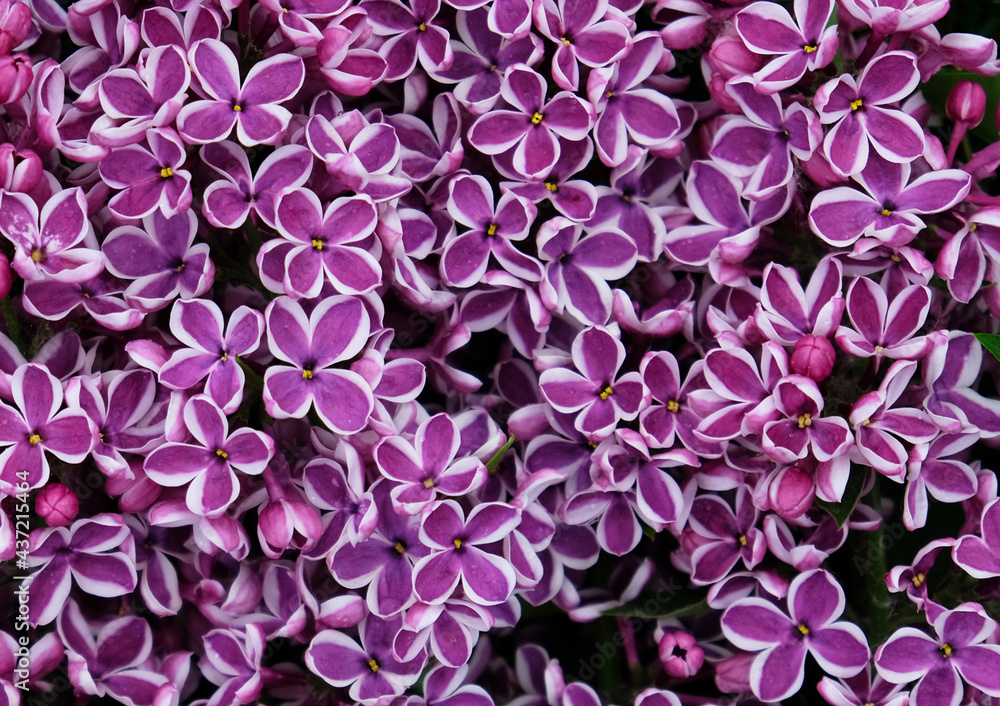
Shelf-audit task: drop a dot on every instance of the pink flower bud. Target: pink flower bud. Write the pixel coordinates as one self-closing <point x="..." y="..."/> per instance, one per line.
<point x="57" y="505"/>
<point x="285" y="524"/>
<point x="686" y="23"/>
<point x="6" y="279"/>
<point x="791" y="492"/>
<point x="15" y="23"/>
<point x="732" y="675"/>
<point x="813" y="356"/>
<point x="730" y="57"/>
<point x="966" y="103"/>
<point x="15" y="77"/>
<point x="680" y="654"/>
<point x="20" y="170"/>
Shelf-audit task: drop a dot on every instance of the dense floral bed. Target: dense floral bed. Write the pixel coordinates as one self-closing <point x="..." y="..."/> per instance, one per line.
<point x="541" y="353"/>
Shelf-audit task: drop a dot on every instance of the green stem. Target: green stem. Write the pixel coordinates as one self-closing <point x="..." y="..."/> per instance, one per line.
<point x="875" y="577"/>
<point x="13" y="327"/>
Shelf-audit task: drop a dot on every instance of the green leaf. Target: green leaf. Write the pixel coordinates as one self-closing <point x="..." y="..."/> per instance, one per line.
<point x="494" y="462"/>
<point x="991" y="342"/>
<point x="842" y="510"/>
<point x="666" y="603"/>
<point x="936" y="92"/>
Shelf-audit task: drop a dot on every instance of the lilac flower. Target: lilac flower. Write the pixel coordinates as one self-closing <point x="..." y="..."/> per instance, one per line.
<point x="735" y="377"/>
<point x="298" y="18"/>
<point x="882" y="329"/>
<point x="232" y="662"/>
<point x="161" y="259"/>
<point x="135" y="101"/>
<point x="347" y="65"/>
<point x="913" y="578"/>
<point x="122" y="405"/>
<point x="574" y="198"/>
<point x="941" y="664"/>
<point x="947" y="479"/>
<point x="412" y="34"/>
<point x="531" y="130"/>
<point x="885" y="17"/>
<point x="727" y="232"/>
<point x="82" y="552"/>
<point x="354" y="513"/>
<point x="335" y="331"/>
<point x="859" y="110"/>
<point x="37" y="426"/>
<point x="456" y="555"/>
<point x="207" y="466"/>
<point x="950" y="371"/>
<point x="371" y="670"/>
<point x="727" y="537"/>
<point x="482" y="59"/>
<point x="108" y="39"/>
<point x="99" y="297"/>
<point x="815" y="601"/>
<point x="581" y="34"/>
<point x="786" y="440"/>
<point x="150" y="179"/>
<point x="327" y="245"/>
<point x="252" y="107"/>
<point x="113" y="663"/>
<point x="426" y="153"/>
<point x="429" y="466"/>
<point x="45" y="241"/>
<point x="627" y="111"/>
<point x="446" y="686"/>
<point x="159" y="583"/>
<point x="596" y="394"/>
<point x="842" y="215"/>
<point x="877" y="424"/>
<point x="965" y="258"/>
<point x="578" y="268"/>
<point x="980" y="556"/>
<point x="786" y="313"/>
<point x="450" y="630"/>
<point x="862" y="690"/>
<point x="197" y="324"/>
<point x="674" y="416"/>
<point x="799" y="45"/>
<point x="760" y="143"/>
<point x="229" y="201"/>
<point x="492" y="228"/>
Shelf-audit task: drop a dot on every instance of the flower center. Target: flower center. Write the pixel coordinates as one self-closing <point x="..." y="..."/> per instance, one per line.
<point x="37" y="255"/>
<point x="673" y="406"/>
<point x="606" y="392"/>
<point x="803" y="629"/>
<point x="552" y="186"/>
<point x="374" y="665"/>
<point x="457" y="543"/>
<point x="885" y="212"/>
<point x="536" y="119"/>
<point x="972" y="228"/>
<point x="35" y="439"/>
<point x="307" y="374"/>
<point x="856" y="104"/>
<point x="565" y="41"/>
<point x="805" y="420"/>
<point x="743" y="540"/>
<point x="224" y="357"/>
<point x="809" y="48"/>
<point x="422" y="27"/>
<point x="238" y="108"/>
<point x="918" y="580"/>
<point x="428" y="482"/>
<point x="491" y="229"/>
<point x="866" y="422"/>
<point x="166" y="172"/>
<point x="317" y="244"/>
<point x="400" y="548"/>
<point x="221" y="454"/>
<point x="945" y="650"/>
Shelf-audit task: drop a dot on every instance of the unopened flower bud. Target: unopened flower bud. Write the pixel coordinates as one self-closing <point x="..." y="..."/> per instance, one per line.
<point x="966" y="103"/>
<point x="20" y="170"/>
<point x="680" y="654"/>
<point x="732" y="675"/>
<point x="791" y="492"/>
<point x="15" y="23"/>
<point x="813" y="356"/>
<point x="730" y="57"/>
<point x="15" y="77"/>
<point x="57" y="505"/>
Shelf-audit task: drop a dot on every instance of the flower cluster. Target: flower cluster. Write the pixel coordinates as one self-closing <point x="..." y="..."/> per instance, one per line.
<point x="498" y="352"/>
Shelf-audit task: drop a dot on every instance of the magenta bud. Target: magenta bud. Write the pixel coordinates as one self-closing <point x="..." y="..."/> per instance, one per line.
<point x="285" y="524"/>
<point x="15" y="23"/>
<point x="6" y="278"/>
<point x="732" y="675"/>
<point x="791" y="492"/>
<point x="15" y="77"/>
<point x="966" y="103"/>
<point x="813" y="356"/>
<point x="730" y="57"/>
<point x="57" y="505"/>
<point x="680" y="654"/>
<point x="20" y="170"/>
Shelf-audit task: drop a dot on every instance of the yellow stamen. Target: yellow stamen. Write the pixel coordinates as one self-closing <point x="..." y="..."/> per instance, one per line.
<point x="221" y="454"/>
<point x="918" y="580"/>
<point x="565" y="41"/>
<point x="374" y="665"/>
<point x="673" y="406"/>
<point x="809" y="48"/>
<point x="101" y="434"/>
<point x="552" y="186"/>
<point x="607" y="392"/>
<point x="856" y="104"/>
<point x="879" y="349"/>
<point x="972" y="227"/>
<point x="238" y="108"/>
<point x="536" y="119"/>
<point x="457" y="543"/>
<point x="34" y="439"/>
<point x="866" y="422"/>
<point x="37" y="255"/>
<point x="886" y="212"/>
<point x="895" y="258"/>
<point x="317" y="244"/>
<point x="399" y="548"/>
<point x="609" y="94"/>
<point x="422" y="27"/>
<point x="224" y="357"/>
<point x="180" y="267"/>
<point x="428" y="483"/>
<point x="805" y="420"/>
<point x="166" y="172"/>
<point x="803" y="629"/>
<point x="307" y="374"/>
<point x="743" y="540"/>
<point x="945" y="650"/>
<point x="491" y="229"/>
